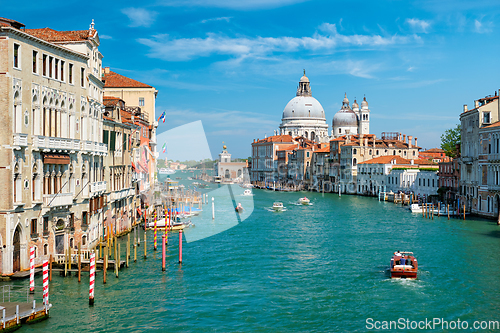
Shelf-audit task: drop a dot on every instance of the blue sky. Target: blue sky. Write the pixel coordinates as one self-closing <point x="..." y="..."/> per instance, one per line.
<point x="234" y="65"/>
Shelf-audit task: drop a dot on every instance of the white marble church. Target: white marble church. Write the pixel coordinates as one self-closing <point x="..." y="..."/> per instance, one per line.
<point x="304" y="116"/>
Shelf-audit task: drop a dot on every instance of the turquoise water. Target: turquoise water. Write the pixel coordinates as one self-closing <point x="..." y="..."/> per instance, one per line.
<point x="318" y="268"/>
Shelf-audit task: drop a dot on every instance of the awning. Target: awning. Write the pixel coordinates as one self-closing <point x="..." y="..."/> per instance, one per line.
<point x="56" y="159"/>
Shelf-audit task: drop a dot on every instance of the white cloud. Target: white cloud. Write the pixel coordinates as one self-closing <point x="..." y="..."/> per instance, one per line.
<point x="418" y="25"/>
<point x="224" y="18"/>
<point x="105" y="37"/>
<point x="483" y="28"/>
<point x="139" y="17"/>
<point x="326" y="40"/>
<point x="232" y="4"/>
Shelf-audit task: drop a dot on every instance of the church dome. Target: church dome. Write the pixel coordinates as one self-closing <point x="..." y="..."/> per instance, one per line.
<point x="303" y="107"/>
<point x="345" y="118"/>
<point x="304" y="78"/>
<point x="355" y="105"/>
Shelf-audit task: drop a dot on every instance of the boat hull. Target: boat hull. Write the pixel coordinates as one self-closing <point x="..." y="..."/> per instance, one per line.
<point x="404" y="274"/>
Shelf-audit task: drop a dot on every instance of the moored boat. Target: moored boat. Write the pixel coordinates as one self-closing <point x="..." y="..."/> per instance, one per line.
<point x="415" y="208"/>
<point x="304" y="201"/>
<point x="404" y="266"/>
<point x="278" y="206"/>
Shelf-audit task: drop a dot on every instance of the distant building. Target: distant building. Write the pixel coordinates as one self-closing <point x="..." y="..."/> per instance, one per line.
<point x="436" y="155"/>
<point x="349" y="121"/>
<point x="225" y="170"/>
<point x="265" y="157"/>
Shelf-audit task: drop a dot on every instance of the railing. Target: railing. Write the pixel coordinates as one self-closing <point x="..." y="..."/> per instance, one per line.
<point x="494" y="187"/>
<point x="98" y="187"/>
<point x="61" y="199"/>
<point x="118" y="195"/>
<point x="20" y="139"/>
<point x="84" y="255"/>
<point x="46" y="142"/>
<point x="92" y="146"/>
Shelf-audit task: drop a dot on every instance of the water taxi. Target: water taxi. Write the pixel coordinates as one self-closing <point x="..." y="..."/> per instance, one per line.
<point x="304" y="201"/>
<point x="239" y="208"/>
<point x="278" y="206"/>
<point x="247" y="192"/>
<point x="404" y="266"/>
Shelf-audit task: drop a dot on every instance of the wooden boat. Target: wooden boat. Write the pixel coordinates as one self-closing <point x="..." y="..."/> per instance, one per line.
<point x="404" y="266"/>
<point x="304" y="201"/>
<point x="278" y="206"/>
<point x="239" y="208"/>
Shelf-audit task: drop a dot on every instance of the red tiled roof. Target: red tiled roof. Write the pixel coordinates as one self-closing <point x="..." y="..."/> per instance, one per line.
<point x="115" y="80"/>
<point x="387" y="159"/>
<point x="495" y="124"/>
<point x="425" y="162"/>
<point x="276" y="138"/>
<point x="289" y="147"/>
<point x="5" y="22"/>
<point x="51" y="35"/>
<point x="432" y="150"/>
<point x="323" y="150"/>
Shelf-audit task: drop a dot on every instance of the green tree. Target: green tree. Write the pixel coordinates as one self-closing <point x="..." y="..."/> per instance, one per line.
<point x="450" y="139"/>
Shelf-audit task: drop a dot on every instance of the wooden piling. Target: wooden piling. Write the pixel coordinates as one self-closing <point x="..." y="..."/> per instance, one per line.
<point x="439" y="209"/>
<point x="79" y="263"/>
<point x="135" y="252"/>
<point x="100" y="250"/>
<point x="464" y="212"/>
<point x="432" y="212"/>
<point x="70" y="258"/>
<point x="127" y="253"/>
<point x="105" y="264"/>
<point x="50" y="267"/>
<point x="448" y="209"/>
<point x="65" y="262"/>
<point x="117" y="261"/>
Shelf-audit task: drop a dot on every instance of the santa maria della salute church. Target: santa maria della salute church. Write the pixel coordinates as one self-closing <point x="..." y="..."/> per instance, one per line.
<point x="304" y="116"/>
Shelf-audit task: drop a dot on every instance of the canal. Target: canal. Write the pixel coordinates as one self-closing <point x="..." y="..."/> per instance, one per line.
<point x="316" y="268"/>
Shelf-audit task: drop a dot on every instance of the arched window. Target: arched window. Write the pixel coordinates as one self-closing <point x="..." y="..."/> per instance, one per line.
<point x="340" y="131"/>
<point x="305" y="135"/>
<point x="354" y="161"/>
<point x="226" y="174"/>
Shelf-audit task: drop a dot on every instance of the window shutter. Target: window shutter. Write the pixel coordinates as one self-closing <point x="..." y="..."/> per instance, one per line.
<point x="105" y="137"/>
<point x="112" y="141"/>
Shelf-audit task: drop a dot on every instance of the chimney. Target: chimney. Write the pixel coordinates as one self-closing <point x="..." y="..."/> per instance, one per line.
<point x="404" y="137"/>
<point x="409" y="140"/>
<point x="465" y="108"/>
<point x="361" y="140"/>
<point x="106" y="70"/>
<point x="476" y="104"/>
<point x="374" y="141"/>
<point x="416" y="145"/>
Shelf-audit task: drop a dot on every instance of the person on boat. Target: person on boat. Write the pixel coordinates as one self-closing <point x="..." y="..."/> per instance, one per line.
<point x="398" y="254"/>
<point x="403" y="261"/>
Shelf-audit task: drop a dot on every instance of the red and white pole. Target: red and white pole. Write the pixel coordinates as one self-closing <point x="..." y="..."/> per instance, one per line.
<point x="92" y="278"/>
<point x="180" y="246"/>
<point x="163" y="253"/>
<point x="32" y="270"/>
<point x="46" y="282"/>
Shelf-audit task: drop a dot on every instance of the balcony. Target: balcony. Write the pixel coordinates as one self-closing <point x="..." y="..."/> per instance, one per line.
<point x="97" y="188"/>
<point x="56" y="200"/>
<point x="20" y="140"/>
<point x="46" y="142"/>
<point x="94" y="147"/>
<point x="118" y="195"/>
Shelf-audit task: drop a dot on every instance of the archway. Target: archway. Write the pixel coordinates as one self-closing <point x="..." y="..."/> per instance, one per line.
<point x="16" y="255"/>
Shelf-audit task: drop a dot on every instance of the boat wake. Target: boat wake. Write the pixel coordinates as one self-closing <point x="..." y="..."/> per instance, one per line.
<point x="270" y="209"/>
<point x="301" y="204"/>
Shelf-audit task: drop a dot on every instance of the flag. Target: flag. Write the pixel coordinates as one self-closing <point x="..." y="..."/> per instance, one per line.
<point x="162" y="117"/>
<point x="164" y="148"/>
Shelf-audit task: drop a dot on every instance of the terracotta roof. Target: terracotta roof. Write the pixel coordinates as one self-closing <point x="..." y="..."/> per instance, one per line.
<point x="276" y="138"/>
<point x="107" y="118"/>
<point x="289" y="147"/>
<point x="425" y="162"/>
<point x="5" y="22"/>
<point x="432" y="151"/>
<point x="115" y="80"/>
<point x="51" y="35"/>
<point x="495" y="124"/>
<point x="110" y="101"/>
<point x="323" y="150"/>
<point x="387" y="160"/>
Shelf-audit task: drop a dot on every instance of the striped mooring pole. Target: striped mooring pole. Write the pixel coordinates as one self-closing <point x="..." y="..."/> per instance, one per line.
<point x="46" y="282"/>
<point x="155" y="233"/>
<point x="92" y="278"/>
<point x="32" y="270"/>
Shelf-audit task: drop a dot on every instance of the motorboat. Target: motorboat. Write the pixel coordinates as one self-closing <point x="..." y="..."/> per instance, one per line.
<point x="278" y="206"/>
<point x="415" y="208"/>
<point x="304" y="201"/>
<point x="166" y="171"/>
<point x="247" y="192"/>
<point x="239" y="208"/>
<point x="404" y="266"/>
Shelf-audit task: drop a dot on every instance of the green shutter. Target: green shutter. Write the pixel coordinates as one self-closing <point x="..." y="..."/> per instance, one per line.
<point x="124" y="141"/>
<point x="105" y="137"/>
<point x="112" y="141"/>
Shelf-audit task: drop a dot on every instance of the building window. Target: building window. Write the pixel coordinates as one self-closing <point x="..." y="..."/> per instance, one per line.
<point x="56" y="71"/>
<point x="82" y="79"/>
<point x="45" y="249"/>
<point x="17" y="51"/>
<point x="354" y="151"/>
<point x="45" y="225"/>
<point x="141" y="101"/>
<point x="35" y="67"/>
<point x="50" y="65"/>
<point x="84" y="219"/>
<point x="62" y="70"/>
<point x="70" y="74"/>
<point x="33" y="228"/>
<point x="486" y="117"/>
<point x="307" y="154"/>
